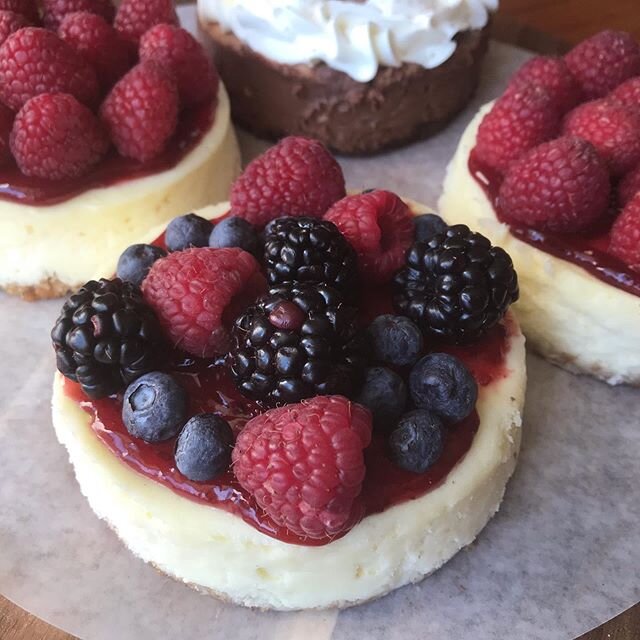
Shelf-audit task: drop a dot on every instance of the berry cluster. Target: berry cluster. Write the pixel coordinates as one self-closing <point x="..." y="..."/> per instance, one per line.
<point x="565" y="139"/>
<point x="275" y="299"/>
<point x="85" y="77"/>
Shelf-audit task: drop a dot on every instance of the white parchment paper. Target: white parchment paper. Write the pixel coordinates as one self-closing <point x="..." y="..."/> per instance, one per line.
<point x="561" y="556"/>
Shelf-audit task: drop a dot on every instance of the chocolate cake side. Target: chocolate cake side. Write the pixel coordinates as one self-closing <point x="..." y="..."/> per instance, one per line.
<point x="400" y="105"/>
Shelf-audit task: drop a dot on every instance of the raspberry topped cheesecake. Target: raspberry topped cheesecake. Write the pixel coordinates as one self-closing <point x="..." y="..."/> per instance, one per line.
<point x="108" y="127"/>
<point x="551" y="171"/>
<point x="359" y="75"/>
<point x="297" y="399"/>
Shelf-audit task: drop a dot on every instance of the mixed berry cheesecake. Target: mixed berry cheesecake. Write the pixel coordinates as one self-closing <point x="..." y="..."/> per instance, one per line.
<point x="359" y="75"/>
<point x="110" y="123"/>
<point x="299" y="398"/>
<point x="551" y="171"/>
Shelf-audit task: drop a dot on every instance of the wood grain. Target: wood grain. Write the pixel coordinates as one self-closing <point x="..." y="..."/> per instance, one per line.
<point x="519" y="22"/>
<point x="574" y="20"/>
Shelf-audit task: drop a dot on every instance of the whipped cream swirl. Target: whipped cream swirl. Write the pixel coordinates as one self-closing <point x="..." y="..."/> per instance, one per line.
<point x="356" y="37"/>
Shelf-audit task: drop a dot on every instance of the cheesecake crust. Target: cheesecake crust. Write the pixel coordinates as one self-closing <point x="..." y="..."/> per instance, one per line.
<point x="400" y="105"/>
<point x="46" y="289"/>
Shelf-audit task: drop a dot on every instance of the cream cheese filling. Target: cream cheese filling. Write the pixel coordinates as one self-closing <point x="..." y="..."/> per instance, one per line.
<point x="569" y="316"/>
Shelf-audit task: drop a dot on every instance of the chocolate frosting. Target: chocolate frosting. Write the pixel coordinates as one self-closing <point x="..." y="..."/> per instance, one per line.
<point x="400" y="105"/>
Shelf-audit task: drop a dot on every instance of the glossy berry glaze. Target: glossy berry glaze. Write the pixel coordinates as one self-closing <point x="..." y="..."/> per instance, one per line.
<point x="113" y="169"/>
<point x="589" y="251"/>
<point x="211" y="389"/>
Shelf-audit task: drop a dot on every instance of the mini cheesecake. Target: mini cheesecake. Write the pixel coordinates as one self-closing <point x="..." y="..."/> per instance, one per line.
<point x="211" y="536"/>
<point x="578" y="309"/>
<point x="53" y="236"/>
<point x="359" y="76"/>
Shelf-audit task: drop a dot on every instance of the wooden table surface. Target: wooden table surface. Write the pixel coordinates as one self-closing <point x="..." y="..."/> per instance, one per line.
<point x="542" y="25"/>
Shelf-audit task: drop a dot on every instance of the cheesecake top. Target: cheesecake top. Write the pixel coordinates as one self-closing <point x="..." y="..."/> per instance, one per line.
<point x="352" y="36"/>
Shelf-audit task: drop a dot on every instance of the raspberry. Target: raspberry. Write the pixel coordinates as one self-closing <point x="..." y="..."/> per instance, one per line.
<point x="629" y="186"/>
<point x="99" y="44"/>
<point x="519" y="121"/>
<point x="136" y="17"/>
<point x="56" y="10"/>
<point x="304" y="464"/>
<point x="612" y="128"/>
<point x="604" y="61"/>
<point x="196" y="293"/>
<point x="625" y="235"/>
<point x="6" y="124"/>
<point x="34" y="61"/>
<point x="141" y="111"/>
<point x="628" y="93"/>
<point x="182" y="55"/>
<point x="10" y="22"/>
<point x="562" y="185"/>
<point x="379" y="226"/>
<point x="553" y="75"/>
<point x="26" y="8"/>
<point x="296" y="177"/>
<point x="55" y="137"/>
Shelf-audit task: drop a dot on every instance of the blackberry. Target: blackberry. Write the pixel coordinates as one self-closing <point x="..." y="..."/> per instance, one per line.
<point x="456" y="285"/>
<point x="106" y="337"/>
<point x="298" y="341"/>
<point x="308" y="250"/>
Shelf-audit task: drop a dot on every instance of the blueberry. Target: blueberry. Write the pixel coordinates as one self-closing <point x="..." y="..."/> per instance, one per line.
<point x="385" y="394"/>
<point x="395" y="340"/>
<point x="136" y="260"/>
<point x="187" y="231"/>
<point x="429" y="225"/>
<point x="154" y="407"/>
<point x="203" y="450"/>
<point x="441" y="383"/>
<point x="416" y="443"/>
<point x="235" y="232"/>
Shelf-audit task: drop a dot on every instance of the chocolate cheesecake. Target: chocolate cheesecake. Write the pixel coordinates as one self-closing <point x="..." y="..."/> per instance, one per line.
<point x="359" y="75"/>
<point x="400" y="105"/>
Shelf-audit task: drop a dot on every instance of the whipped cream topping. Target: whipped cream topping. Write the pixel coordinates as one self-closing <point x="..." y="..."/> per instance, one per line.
<point x="353" y="36"/>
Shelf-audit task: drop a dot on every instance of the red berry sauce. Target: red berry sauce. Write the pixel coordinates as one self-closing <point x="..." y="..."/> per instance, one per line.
<point x="588" y="251"/>
<point x="113" y="169"/>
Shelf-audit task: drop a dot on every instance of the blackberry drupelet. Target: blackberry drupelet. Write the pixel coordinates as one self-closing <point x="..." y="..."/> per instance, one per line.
<point x="455" y="286"/>
<point x="308" y="250"/>
<point x="298" y="341"/>
<point x="106" y="337"/>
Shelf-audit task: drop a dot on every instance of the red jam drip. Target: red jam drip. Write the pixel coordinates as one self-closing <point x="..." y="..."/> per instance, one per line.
<point x="588" y="251"/>
<point x="210" y="389"/>
<point x="113" y="169"/>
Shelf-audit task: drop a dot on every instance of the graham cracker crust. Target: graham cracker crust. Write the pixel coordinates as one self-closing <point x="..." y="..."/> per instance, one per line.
<point x="45" y="290"/>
